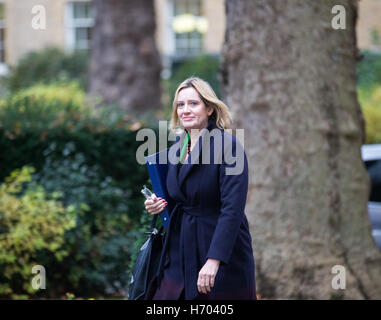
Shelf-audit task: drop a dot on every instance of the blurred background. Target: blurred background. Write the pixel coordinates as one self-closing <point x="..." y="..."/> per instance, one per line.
<point x="75" y="88"/>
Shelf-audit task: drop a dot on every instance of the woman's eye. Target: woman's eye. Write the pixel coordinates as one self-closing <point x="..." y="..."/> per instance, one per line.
<point x="181" y="105"/>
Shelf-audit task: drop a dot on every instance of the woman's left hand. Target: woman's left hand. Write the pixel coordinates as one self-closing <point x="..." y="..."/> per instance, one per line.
<point x="207" y="275"/>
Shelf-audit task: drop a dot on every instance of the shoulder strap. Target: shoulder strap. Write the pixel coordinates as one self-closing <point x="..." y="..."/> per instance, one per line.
<point x="153" y="223"/>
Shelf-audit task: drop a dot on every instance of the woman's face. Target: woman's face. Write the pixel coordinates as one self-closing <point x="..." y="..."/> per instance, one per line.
<point x="191" y="110"/>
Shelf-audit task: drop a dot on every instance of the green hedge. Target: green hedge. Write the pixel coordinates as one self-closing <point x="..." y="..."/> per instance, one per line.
<point x="370" y="101"/>
<point x="89" y="156"/>
<point x="369" y="94"/>
<point x="47" y="65"/>
<point x="30" y="220"/>
<point x="369" y="70"/>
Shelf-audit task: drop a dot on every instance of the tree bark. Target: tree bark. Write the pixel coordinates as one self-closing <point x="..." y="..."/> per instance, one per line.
<point x="290" y="81"/>
<point x="125" y="64"/>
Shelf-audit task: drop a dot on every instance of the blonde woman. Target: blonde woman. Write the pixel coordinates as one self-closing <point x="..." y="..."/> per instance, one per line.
<point x="207" y="251"/>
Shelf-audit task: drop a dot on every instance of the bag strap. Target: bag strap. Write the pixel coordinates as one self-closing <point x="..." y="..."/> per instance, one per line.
<point x="153" y="229"/>
<point x="153" y="223"/>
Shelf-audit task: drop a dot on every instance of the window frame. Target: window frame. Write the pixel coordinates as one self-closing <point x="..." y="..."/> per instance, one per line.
<point x="72" y="24"/>
<point x="194" y="45"/>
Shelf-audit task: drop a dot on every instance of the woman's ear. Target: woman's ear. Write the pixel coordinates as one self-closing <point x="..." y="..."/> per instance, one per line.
<point x="210" y="111"/>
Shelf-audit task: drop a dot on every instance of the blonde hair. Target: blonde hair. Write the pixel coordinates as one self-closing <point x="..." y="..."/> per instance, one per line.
<point x="221" y="113"/>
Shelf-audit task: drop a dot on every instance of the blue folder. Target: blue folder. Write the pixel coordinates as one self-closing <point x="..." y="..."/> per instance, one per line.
<point x="157" y="171"/>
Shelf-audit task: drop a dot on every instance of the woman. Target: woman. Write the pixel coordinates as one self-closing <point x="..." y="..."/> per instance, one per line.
<point x="207" y="251"/>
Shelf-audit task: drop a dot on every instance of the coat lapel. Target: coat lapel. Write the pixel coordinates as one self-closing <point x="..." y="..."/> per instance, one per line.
<point x="173" y="168"/>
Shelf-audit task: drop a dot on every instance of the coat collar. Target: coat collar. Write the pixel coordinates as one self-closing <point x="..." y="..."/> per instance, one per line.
<point x="194" y="156"/>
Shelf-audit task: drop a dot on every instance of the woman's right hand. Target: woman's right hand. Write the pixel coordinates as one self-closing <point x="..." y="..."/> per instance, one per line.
<point x="155" y="205"/>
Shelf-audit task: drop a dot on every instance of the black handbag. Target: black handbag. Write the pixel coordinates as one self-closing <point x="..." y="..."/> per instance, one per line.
<point x="143" y="279"/>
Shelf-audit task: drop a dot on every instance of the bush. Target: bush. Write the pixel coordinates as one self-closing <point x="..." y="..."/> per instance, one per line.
<point x="49" y="65"/>
<point x="40" y="106"/>
<point x="370" y="100"/>
<point x="30" y="220"/>
<point x="103" y="240"/>
<point x="58" y="106"/>
<point x="89" y="156"/>
<point x="369" y="70"/>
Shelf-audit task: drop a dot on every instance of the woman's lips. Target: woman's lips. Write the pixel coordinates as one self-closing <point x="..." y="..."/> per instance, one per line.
<point x="188" y="118"/>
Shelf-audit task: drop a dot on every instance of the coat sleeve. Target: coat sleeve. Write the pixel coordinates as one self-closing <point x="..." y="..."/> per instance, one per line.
<point x="233" y="184"/>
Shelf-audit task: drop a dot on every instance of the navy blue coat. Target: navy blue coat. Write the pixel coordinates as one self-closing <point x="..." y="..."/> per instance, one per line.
<point x="207" y="220"/>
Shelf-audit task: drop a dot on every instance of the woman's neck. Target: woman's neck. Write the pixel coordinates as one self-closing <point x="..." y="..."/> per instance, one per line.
<point x="194" y="134"/>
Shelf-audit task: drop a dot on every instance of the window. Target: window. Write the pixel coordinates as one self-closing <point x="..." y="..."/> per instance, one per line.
<point x="187" y="18"/>
<point x="79" y="21"/>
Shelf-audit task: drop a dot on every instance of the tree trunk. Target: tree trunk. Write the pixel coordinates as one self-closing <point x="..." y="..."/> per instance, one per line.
<point x="290" y="81"/>
<point x="125" y="64"/>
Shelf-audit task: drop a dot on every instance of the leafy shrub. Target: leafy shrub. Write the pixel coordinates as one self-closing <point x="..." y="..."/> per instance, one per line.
<point x="89" y="156"/>
<point x="369" y="70"/>
<point x="102" y="241"/>
<point x="49" y="65"/>
<point x="43" y="106"/>
<point x="370" y="100"/>
<point x="55" y="107"/>
<point x="30" y="220"/>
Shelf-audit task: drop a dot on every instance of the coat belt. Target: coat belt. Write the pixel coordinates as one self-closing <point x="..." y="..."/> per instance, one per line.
<point x="197" y="211"/>
<point x="190" y="247"/>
